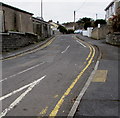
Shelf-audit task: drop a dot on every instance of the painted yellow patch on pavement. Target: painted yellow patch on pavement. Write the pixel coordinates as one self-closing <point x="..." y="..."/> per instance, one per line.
<point x="100" y="76"/>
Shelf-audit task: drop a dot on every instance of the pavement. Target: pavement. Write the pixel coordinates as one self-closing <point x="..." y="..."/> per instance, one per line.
<point x="102" y="97"/>
<point x="24" y="49"/>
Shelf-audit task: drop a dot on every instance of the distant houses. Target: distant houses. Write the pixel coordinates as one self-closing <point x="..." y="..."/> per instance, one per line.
<point x="69" y="26"/>
<point x="54" y="26"/>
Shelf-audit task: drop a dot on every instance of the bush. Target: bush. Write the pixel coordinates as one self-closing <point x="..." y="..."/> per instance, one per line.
<point x="114" y="22"/>
<point x="62" y="29"/>
<point x="87" y="24"/>
<point x="99" y="21"/>
<point x="70" y="31"/>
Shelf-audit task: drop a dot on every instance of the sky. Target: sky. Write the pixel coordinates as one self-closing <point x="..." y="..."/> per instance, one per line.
<point x="63" y="10"/>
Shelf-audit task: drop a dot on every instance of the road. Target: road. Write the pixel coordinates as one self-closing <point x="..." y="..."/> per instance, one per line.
<point x="47" y="81"/>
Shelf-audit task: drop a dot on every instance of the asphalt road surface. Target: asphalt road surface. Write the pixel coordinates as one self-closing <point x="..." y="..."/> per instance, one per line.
<point x="47" y="81"/>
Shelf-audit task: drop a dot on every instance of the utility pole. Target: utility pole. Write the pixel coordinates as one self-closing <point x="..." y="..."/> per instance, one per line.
<point x="96" y="16"/>
<point x="41" y="10"/>
<point x="74" y="18"/>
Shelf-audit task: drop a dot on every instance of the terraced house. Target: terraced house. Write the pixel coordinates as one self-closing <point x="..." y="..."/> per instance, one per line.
<point x="14" y="19"/>
<point x="19" y="28"/>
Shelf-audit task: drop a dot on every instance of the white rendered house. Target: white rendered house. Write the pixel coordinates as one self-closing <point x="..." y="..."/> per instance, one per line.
<point x="112" y="8"/>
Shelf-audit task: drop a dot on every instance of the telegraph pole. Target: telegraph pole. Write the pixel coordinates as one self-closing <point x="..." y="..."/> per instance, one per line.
<point x="41" y="10"/>
<point x="74" y="18"/>
<point x="96" y="16"/>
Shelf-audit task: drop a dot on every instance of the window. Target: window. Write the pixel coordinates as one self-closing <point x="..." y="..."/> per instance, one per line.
<point x="2" y="25"/>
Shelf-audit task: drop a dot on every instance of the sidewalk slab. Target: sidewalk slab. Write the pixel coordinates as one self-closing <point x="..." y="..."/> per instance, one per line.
<point x="102" y="98"/>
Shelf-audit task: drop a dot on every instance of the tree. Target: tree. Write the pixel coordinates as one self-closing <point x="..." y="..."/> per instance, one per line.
<point x="99" y="21"/>
<point x="85" y="22"/>
<point x="70" y="31"/>
<point x="62" y="29"/>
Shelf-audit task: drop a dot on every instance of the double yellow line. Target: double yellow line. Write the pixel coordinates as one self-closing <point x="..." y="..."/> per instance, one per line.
<point x="89" y="61"/>
<point x="32" y="51"/>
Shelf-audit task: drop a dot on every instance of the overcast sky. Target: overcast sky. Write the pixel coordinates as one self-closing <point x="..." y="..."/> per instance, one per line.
<point x="62" y="10"/>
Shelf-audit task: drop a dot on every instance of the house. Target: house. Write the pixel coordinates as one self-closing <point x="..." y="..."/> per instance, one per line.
<point x="15" y="19"/>
<point x="18" y="28"/>
<point x="41" y="27"/>
<point x="54" y="27"/>
<point x="111" y="9"/>
<point x="69" y="26"/>
<point x="113" y="22"/>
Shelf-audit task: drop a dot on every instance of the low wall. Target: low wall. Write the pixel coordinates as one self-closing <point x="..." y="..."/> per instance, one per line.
<point x="12" y="41"/>
<point x="94" y="33"/>
<point x="113" y="39"/>
<point x="100" y="33"/>
<point x="84" y="33"/>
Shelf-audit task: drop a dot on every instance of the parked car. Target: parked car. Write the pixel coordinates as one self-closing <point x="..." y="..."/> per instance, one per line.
<point x="77" y="31"/>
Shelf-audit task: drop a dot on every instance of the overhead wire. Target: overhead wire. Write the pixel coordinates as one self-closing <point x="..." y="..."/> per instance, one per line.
<point x="81" y="5"/>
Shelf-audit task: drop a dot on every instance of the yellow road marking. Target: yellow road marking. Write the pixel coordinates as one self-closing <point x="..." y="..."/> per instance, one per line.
<point x="60" y="102"/>
<point x="43" y="112"/>
<point x="88" y="46"/>
<point x="100" y="76"/>
<point x="89" y="54"/>
<point x="34" y="50"/>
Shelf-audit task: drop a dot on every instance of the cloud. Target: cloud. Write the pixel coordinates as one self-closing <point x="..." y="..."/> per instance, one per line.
<point x="62" y="10"/>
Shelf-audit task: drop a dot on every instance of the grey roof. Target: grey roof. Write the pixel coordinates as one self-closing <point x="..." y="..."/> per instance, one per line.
<point x="109" y="5"/>
<point x="3" y="4"/>
<point x="39" y="20"/>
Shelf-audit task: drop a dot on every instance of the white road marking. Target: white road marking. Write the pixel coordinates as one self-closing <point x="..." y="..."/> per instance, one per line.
<point x="18" y="100"/>
<point x="65" y="49"/>
<point x="16" y="91"/>
<point x="77" y="102"/>
<point x="22" y="71"/>
<point x="81" y="43"/>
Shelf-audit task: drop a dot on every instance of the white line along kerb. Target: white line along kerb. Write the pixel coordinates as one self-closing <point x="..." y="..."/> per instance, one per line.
<point x="77" y="102"/>
<point x="19" y="99"/>
<point x="65" y="49"/>
<point x="81" y="43"/>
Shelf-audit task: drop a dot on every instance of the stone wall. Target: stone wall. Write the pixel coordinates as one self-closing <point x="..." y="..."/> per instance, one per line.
<point x="94" y="34"/>
<point x="118" y="11"/>
<point x="100" y="33"/>
<point x="113" y="39"/>
<point x="12" y="41"/>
